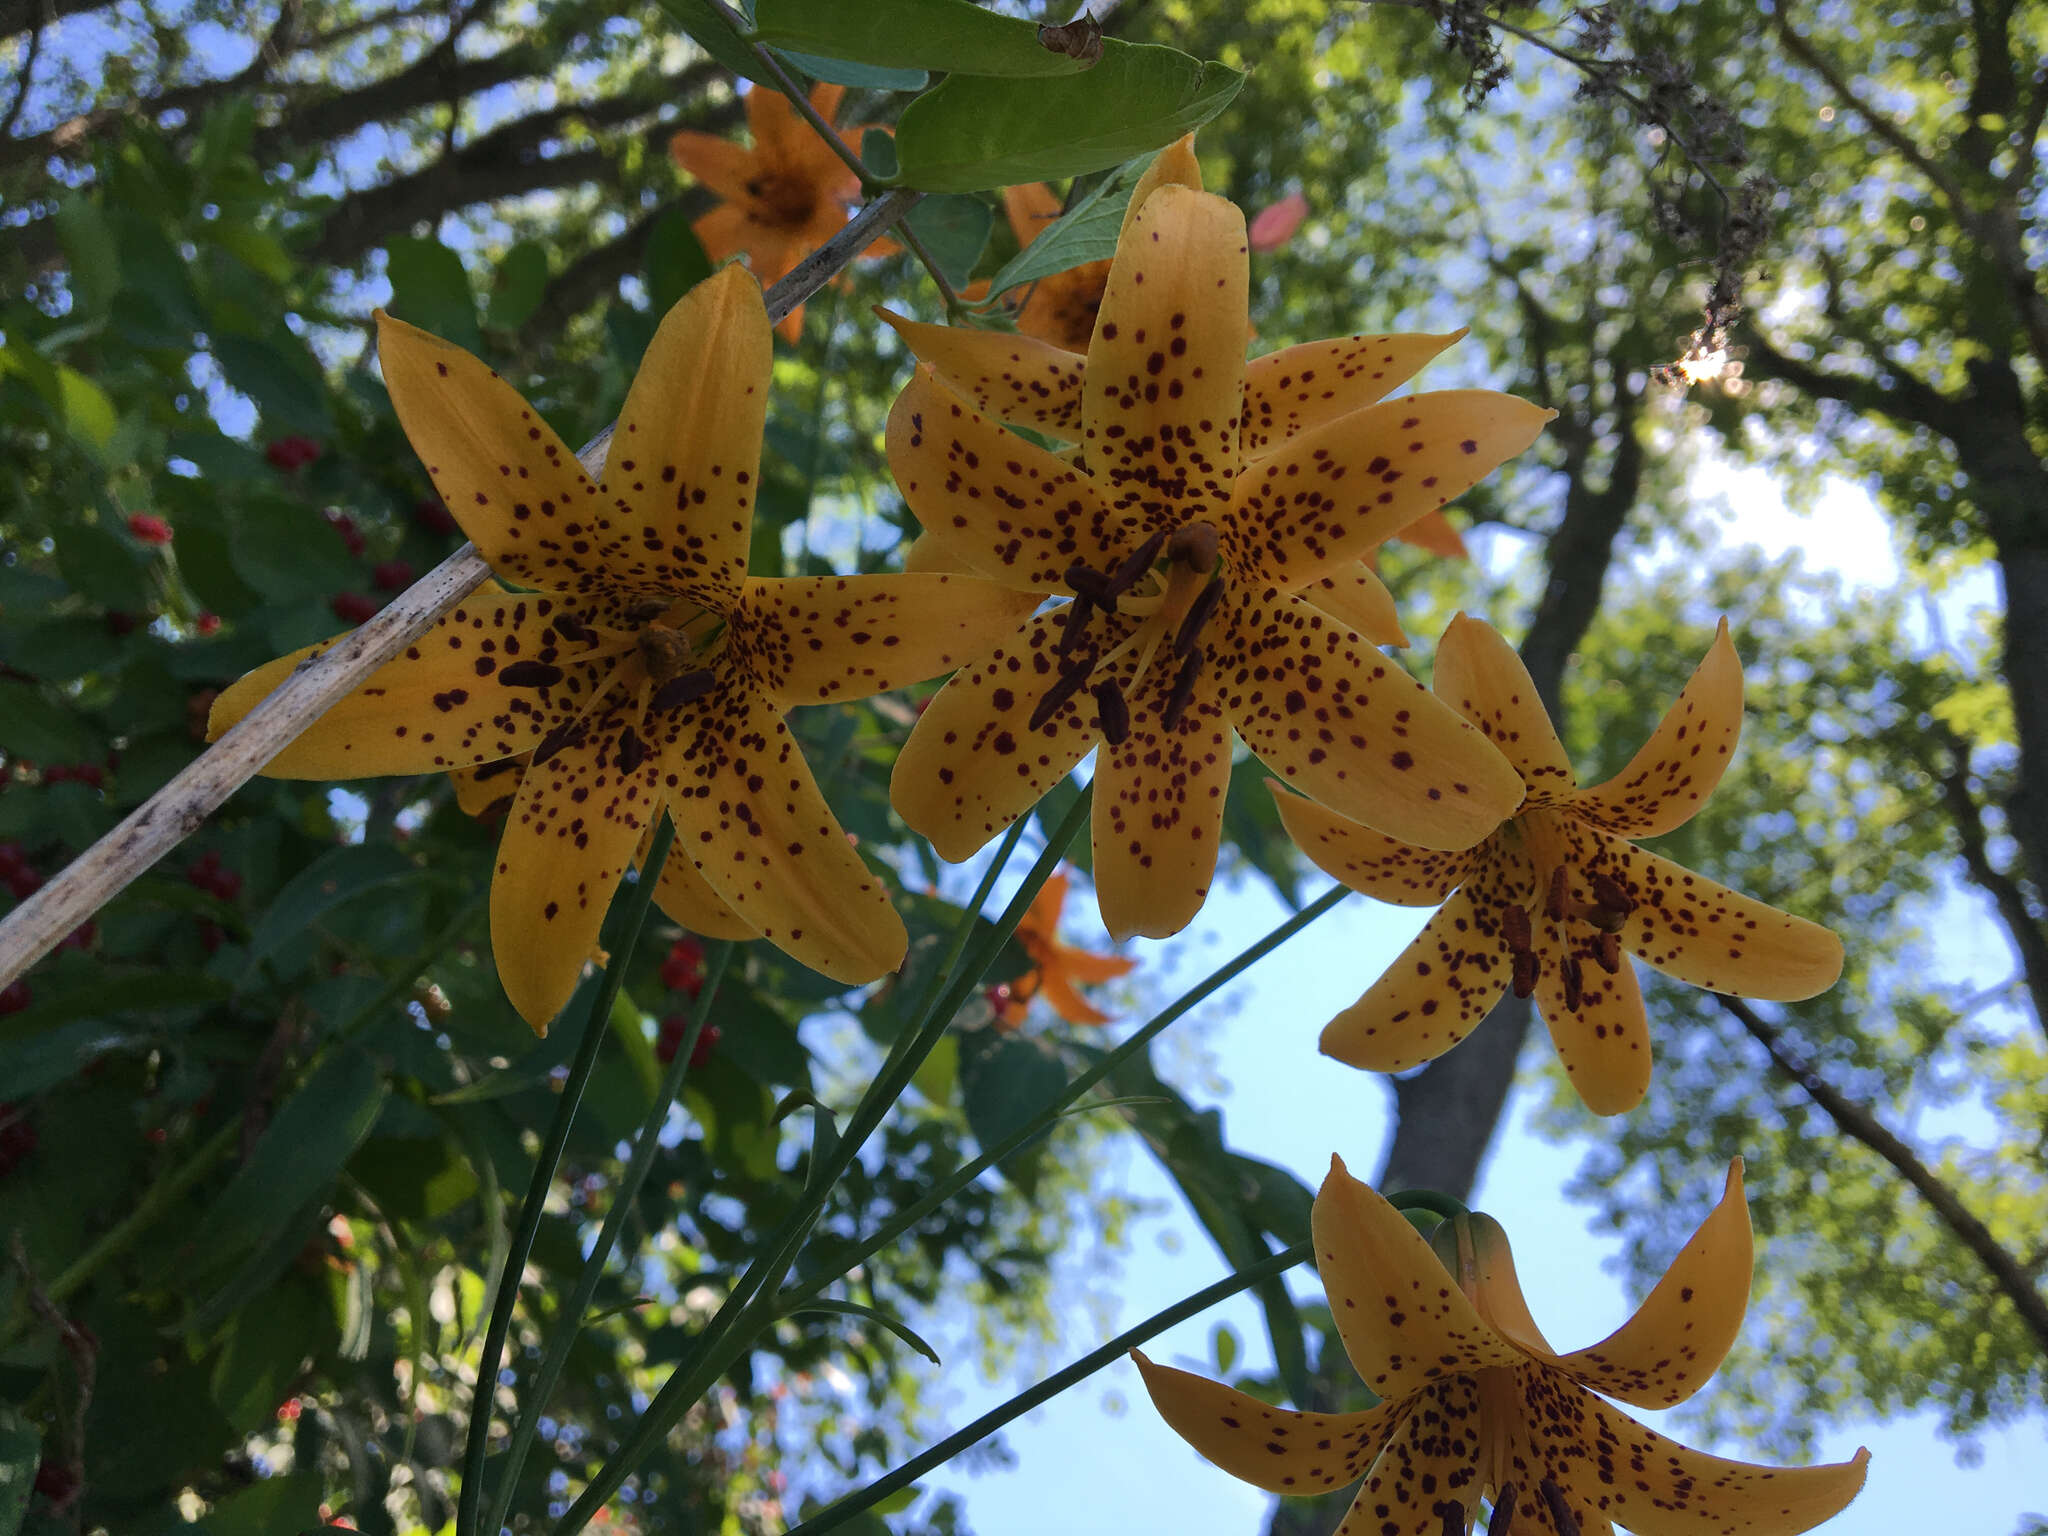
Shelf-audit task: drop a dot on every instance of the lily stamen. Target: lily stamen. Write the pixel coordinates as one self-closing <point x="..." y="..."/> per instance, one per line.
<point x="1135" y="564"/>
<point x="1114" y="712"/>
<point x="1195" y="546"/>
<point x="1182" y="693"/>
<point x="1560" y="1512"/>
<point x="1525" y="968"/>
<point x="1064" y="688"/>
<point x="1079" y="612"/>
<point x="1198" y="614"/>
<point x="685" y="689"/>
<point x="1503" y="1516"/>
<point x="1574" y="975"/>
<point x="1609" y="953"/>
<point x="1090" y="583"/>
<point x="1454" y="1517"/>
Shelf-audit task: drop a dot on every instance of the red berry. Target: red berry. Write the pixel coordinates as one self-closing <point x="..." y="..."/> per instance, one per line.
<point x="289" y="453"/>
<point x="156" y="1135"/>
<point x="671" y="1038"/>
<point x="683" y="970"/>
<point x="56" y="1481"/>
<point x="433" y="515"/>
<point x="345" y="525"/>
<point x="15" y="996"/>
<point x="119" y="623"/>
<point x="227" y="885"/>
<point x="707" y="1042"/>
<point x="207" y="623"/>
<point x="288" y="1411"/>
<point x="149" y="529"/>
<point x="211" y="937"/>
<point x="353" y="606"/>
<point x="392" y="575"/>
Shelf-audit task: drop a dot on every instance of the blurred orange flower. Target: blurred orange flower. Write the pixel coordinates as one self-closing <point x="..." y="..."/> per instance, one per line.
<point x="1058" y="969"/>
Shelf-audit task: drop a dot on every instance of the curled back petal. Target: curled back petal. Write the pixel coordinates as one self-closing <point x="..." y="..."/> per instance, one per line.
<point x="1001" y="506"/>
<point x="1344" y="725"/>
<point x="1370" y="861"/>
<point x="489" y="786"/>
<point x="1173" y="166"/>
<point x="1685" y="1327"/>
<point x="1321" y="500"/>
<point x="1699" y="931"/>
<point x="1429" y="1470"/>
<point x="816" y="639"/>
<point x="1277" y="1449"/>
<point x="1299" y="388"/>
<point x="684" y="897"/>
<point x="458" y="696"/>
<point x="1434" y="532"/>
<point x="1479" y="674"/>
<point x="1356" y="596"/>
<point x="1014" y="378"/>
<point x="1166" y="367"/>
<point x="1402" y="1318"/>
<point x="749" y="815"/>
<point x="1671" y="776"/>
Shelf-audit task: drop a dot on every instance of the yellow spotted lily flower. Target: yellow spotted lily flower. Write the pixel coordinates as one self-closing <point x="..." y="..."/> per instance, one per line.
<point x="1185" y="565"/>
<point x="1476" y="1406"/>
<point x="1058" y="970"/>
<point x="1551" y="903"/>
<point x="641" y="667"/>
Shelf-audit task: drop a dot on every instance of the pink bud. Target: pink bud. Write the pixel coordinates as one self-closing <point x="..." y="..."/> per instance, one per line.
<point x="1275" y="225"/>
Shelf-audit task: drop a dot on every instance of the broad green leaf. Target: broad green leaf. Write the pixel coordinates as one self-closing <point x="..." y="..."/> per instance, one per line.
<point x="92" y="260"/>
<point x="676" y="262"/>
<point x="272" y="1505"/>
<point x="430" y="289"/>
<point x="282" y="550"/>
<point x="286" y="390"/>
<point x="954" y="232"/>
<point x="867" y="77"/>
<point x="20" y="1451"/>
<point x="518" y="285"/>
<point x="704" y="26"/>
<point x="33" y="727"/>
<point x="1006" y="1082"/>
<point x="1085" y="232"/>
<point x="971" y="133"/>
<point x="914" y="34"/>
<point x="878" y="153"/>
<point x="256" y="249"/>
<point x="89" y="415"/>
<point x="103" y="566"/>
<point x="336" y="877"/>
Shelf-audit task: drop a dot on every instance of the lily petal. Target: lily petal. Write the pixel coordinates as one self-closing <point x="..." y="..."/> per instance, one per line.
<point x="1685" y="1327"/>
<point x="1402" y="1318"/>
<point x="1318" y="502"/>
<point x="685" y="898"/>
<point x="1623" y="1472"/>
<point x="688" y="447"/>
<point x="817" y="639"/>
<point x="1442" y="985"/>
<point x="727" y="230"/>
<point x="1083" y="966"/>
<point x="1519" y="1407"/>
<point x="1167" y="362"/>
<point x="1173" y="166"/>
<point x="1277" y="1449"/>
<point x="998" y="503"/>
<point x="1701" y="932"/>
<point x="972" y="764"/>
<point x="488" y="786"/>
<point x="1356" y="596"/>
<point x="1678" y="767"/>
<point x="570" y="835"/>
<point x="1061" y="308"/>
<point x="1299" y="388"/>
<point x="750" y="817"/>
<point x="1369" y="861"/>
<point x="1158" y="813"/>
<point x="1436" y="534"/>
<point x="446" y="702"/>
<point x="1430" y="1467"/>
<point x="780" y="135"/>
<point x="1031" y="207"/>
<point x="1603" y="1042"/>
<point x="1479" y="674"/>
<point x="1346" y="726"/>
<point x="720" y="164"/>
<point x="1014" y="378"/>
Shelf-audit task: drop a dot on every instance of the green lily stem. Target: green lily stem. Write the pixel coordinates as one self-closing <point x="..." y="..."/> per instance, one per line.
<point x="838" y="1265"/>
<point x="646" y="1142"/>
<point x="1052" y="1386"/>
<point x="160" y="1198"/>
<point x="754" y="1302"/>
<point x="628" y="918"/>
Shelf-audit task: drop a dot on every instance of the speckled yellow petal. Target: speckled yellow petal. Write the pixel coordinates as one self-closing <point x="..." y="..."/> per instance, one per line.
<point x="1298" y="389"/>
<point x="1429" y="1475"/>
<point x="1356" y="596"/>
<point x="1616" y="1469"/>
<point x="1318" y="502"/>
<point x="570" y="835"/>
<point x="685" y="898"/>
<point x="720" y="164"/>
<point x="687" y="451"/>
<point x="1486" y="1271"/>
<point x="1519" y="1407"/>
<point x="1479" y="674"/>
<point x="1402" y="1318"/>
<point x="1166" y="366"/>
<point x="1158" y="813"/>
<point x="816" y="639"/>
<point x="750" y="817"/>
<point x="1015" y="378"/>
<point x="1685" y="1327"/>
<point x="1596" y="1020"/>
<point x="1677" y="768"/>
<point x="1370" y="861"/>
<point x="1272" y="1448"/>
<point x="995" y="501"/>
<point x="487" y="681"/>
<point x="973" y="764"/>
<point x="1344" y="725"/>
<point x="489" y="786"/>
<point x="1173" y="166"/>
<point x="1440" y="987"/>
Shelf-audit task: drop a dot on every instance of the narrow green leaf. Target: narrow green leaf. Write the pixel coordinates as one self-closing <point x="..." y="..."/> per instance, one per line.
<point x="20" y="1450"/>
<point x="430" y="289"/>
<point x="704" y="26"/>
<point x="971" y="133"/>
<point x="866" y="77"/>
<point x="896" y="1326"/>
<point x="91" y="258"/>
<point x="914" y="34"/>
<point x="954" y="231"/>
<point x="1085" y="232"/>
<point x="334" y="878"/>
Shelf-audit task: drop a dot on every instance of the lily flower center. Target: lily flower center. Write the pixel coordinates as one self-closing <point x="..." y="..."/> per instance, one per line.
<point x="662" y="664"/>
<point x="780" y="199"/>
<point x="1542" y="836"/>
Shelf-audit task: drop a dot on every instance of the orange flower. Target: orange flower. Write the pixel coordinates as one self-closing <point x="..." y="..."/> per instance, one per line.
<point x="1060" y="307"/>
<point x="1057" y="969"/>
<point x="784" y="198"/>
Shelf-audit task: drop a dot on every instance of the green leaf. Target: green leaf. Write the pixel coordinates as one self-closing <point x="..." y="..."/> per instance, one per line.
<point x="954" y="232"/>
<point x="970" y="133"/>
<point x="274" y="1504"/>
<point x="92" y="260"/>
<point x="286" y="390"/>
<point x="867" y="77"/>
<point x="31" y="726"/>
<point x="519" y="286"/>
<point x="897" y="1326"/>
<point x="336" y="877"/>
<point x="1085" y="232"/>
<point x="430" y="289"/>
<point x="89" y="415"/>
<point x="281" y="550"/>
<point x="676" y="262"/>
<point x="20" y="1450"/>
<point x="103" y="566"/>
<point x="878" y="153"/>
<point x="1224" y="1346"/>
<point x="1006" y="1082"/>
<point x="704" y="26"/>
<point x="914" y="34"/>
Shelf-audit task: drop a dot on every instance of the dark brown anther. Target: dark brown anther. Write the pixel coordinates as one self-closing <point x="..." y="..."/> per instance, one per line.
<point x="1135" y="564"/>
<point x="1610" y="892"/>
<point x="1182" y="692"/>
<point x="1609" y="953"/>
<point x="1574" y="975"/>
<point x="1113" y="712"/>
<point x="1453" y="1516"/>
<point x="1606" y="919"/>
<point x="1089" y="583"/>
<point x="1561" y="1514"/>
<point x="1064" y="688"/>
<point x="686" y="689"/>
<point x="1198" y="614"/>
<point x="1194" y="546"/>
<point x="1514" y="927"/>
<point x="647" y="612"/>
<point x="662" y="651"/>
<point x="529" y="674"/>
<point x="1557" y="905"/>
<point x="570" y="629"/>
<point x="1525" y="972"/>
<point x="1079" y="612"/>
<point x="1503" y="1518"/>
<point x="632" y="751"/>
<point x="492" y="770"/>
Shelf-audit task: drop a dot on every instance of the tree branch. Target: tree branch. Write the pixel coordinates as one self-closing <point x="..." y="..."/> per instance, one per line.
<point x="1860" y="1125"/>
<point x="21" y="89"/>
<point x="1905" y="400"/>
<point x="2028" y="936"/>
<point x="598" y="270"/>
<point x="19" y="16"/>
